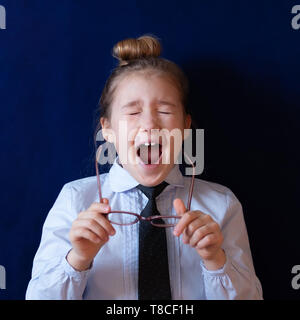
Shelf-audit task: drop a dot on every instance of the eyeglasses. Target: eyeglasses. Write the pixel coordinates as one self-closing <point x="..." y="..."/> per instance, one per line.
<point x="126" y="218"/>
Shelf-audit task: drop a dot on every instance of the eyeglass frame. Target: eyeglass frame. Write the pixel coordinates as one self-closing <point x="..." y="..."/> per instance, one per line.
<point x="139" y="217"/>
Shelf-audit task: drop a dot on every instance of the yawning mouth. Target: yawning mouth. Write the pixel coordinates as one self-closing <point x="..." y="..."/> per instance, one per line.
<point x="149" y="152"/>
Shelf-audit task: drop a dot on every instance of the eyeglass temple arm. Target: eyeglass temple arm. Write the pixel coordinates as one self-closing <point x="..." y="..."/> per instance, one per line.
<point x="190" y="190"/>
<point x="192" y="182"/>
<point x="97" y="173"/>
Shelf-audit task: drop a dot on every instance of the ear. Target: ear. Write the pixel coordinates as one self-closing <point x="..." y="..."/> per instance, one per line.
<point x="107" y="132"/>
<point x="188" y="121"/>
<point x="187" y="125"/>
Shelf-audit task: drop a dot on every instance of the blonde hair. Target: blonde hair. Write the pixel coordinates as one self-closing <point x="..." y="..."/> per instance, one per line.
<point x="130" y="49"/>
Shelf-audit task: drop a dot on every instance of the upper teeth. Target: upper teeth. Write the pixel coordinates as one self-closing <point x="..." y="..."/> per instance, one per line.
<point x="148" y="144"/>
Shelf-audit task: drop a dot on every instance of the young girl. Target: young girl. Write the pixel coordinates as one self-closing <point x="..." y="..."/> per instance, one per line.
<point x="83" y="254"/>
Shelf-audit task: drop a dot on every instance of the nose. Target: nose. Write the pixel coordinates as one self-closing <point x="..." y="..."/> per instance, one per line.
<point x="149" y="120"/>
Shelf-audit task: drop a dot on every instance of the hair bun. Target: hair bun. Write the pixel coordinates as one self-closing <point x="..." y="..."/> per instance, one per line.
<point x="145" y="46"/>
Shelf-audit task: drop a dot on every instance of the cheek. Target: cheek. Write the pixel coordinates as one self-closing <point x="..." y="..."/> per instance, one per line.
<point x="174" y="123"/>
<point x="177" y="120"/>
<point x="125" y="133"/>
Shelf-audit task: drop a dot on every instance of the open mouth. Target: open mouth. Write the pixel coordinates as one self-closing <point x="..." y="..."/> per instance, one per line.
<point x="149" y="152"/>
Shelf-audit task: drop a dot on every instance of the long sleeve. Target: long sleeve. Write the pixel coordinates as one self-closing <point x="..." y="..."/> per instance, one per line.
<point x="52" y="276"/>
<point x="114" y="274"/>
<point x="237" y="279"/>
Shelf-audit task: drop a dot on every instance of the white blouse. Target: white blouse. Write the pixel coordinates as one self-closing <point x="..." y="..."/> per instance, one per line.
<point x="114" y="272"/>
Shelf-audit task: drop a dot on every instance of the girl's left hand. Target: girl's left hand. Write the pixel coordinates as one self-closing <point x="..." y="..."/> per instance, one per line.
<point x="201" y="232"/>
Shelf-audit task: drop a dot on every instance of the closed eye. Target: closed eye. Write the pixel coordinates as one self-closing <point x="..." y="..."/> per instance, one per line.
<point x="164" y="112"/>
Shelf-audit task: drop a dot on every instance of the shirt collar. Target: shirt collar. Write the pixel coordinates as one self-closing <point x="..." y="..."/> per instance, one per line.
<point x="121" y="180"/>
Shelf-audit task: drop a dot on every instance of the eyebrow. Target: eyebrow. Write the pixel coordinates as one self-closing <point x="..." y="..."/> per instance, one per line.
<point x="136" y="102"/>
<point x="166" y="102"/>
<point x="131" y="104"/>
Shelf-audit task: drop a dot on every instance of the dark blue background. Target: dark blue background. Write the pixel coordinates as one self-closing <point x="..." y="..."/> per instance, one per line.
<point x="242" y="59"/>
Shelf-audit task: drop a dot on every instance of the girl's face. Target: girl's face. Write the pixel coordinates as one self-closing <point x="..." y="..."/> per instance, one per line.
<point x="141" y="104"/>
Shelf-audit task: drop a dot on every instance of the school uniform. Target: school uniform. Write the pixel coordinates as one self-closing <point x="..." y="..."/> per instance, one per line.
<point x="114" y="271"/>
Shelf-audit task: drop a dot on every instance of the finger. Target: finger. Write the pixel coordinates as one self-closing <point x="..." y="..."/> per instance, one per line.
<point x="186" y="219"/>
<point x="209" y="240"/>
<point x="180" y="210"/>
<point x="105" y="201"/>
<point x="199" y="234"/>
<point x="93" y="226"/>
<point x="100" y="219"/>
<point x="179" y="207"/>
<point x="191" y="228"/>
<point x="100" y="207"/>
<point x="195" y="224"/>
<point x="96" y="206"/>
<point x="83" y="233"/>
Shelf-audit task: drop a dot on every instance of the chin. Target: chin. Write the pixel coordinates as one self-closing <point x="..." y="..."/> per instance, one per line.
<point x="150" y="176"/>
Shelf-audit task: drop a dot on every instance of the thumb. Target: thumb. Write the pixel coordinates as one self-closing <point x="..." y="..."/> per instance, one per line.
<point x="105" y="201"/>
<point x="179" y="207"/>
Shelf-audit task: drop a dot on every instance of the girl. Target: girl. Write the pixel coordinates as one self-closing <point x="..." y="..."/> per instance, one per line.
<point x="85" y="254"/>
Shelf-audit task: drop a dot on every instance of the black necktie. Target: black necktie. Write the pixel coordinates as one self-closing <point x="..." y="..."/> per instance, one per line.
<point x="154" y="280"/>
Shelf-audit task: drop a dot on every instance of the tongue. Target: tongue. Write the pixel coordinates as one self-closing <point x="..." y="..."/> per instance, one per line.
<point x="149" y="155"/>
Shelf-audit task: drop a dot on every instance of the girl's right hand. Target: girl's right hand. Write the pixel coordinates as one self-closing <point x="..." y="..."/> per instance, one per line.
<point x="89" y="232"/>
